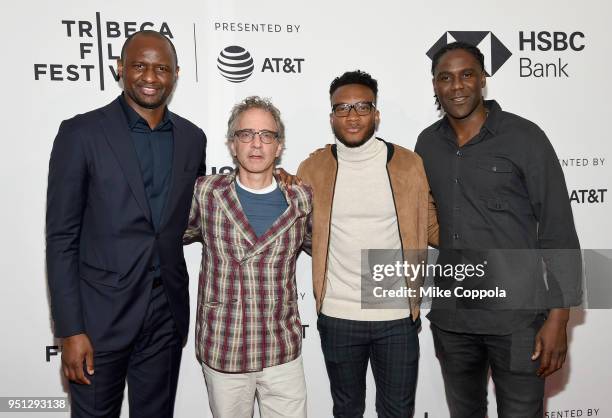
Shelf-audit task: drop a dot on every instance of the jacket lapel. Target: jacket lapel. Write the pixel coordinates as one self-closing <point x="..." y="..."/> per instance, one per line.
<point x="115" y="126"/>
<point x="284" y="222"/>
<point x="179" y="159"/>
<point x="227" y="199"/>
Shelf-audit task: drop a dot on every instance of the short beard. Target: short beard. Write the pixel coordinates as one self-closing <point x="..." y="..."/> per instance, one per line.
<point x="369" y="135"/>
<point x="150" y="106"/>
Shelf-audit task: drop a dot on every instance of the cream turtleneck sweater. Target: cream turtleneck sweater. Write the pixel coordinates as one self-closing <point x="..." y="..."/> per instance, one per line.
<point x="363" y="217"/>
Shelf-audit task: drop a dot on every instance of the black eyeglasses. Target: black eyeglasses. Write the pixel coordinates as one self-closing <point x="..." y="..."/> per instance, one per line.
<point x="342" y="110"/>
<point x="247" y="135"/>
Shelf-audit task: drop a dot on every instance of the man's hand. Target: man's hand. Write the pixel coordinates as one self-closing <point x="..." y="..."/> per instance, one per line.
<point x="77" y="349"/>
<point x="286" y="178"/>
<point x="551" y="342"/>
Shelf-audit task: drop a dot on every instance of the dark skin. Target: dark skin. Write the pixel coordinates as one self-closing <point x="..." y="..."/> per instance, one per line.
<point x="149" y="73"/>
<point x="354" y="130"/>
<point x="458" y="81"/>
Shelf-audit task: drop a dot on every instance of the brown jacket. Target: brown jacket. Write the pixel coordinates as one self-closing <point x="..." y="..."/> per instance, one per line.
<point x="414" y="206"/>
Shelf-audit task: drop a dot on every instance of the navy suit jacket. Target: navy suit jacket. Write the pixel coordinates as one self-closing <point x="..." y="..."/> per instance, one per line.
<point x="100" y="235"/>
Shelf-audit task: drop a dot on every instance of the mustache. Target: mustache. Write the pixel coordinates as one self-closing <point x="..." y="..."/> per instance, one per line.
<point x="365" y="138"/>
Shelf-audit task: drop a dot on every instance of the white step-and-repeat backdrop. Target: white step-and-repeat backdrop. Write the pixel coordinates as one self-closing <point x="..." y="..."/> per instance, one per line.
<point x="549" y="60"/>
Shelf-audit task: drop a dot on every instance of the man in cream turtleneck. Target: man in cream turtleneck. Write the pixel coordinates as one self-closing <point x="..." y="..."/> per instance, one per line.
<point x="368" y="194"/>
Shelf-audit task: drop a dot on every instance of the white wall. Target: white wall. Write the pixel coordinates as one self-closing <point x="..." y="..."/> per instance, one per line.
<point x="388" y="39"/>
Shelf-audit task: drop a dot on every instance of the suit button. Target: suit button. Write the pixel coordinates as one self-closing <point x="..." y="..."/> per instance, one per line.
<point x="151" y="269"/>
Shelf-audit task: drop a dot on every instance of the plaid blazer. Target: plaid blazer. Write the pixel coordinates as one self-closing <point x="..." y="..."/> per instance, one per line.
<point x="247" y="314"/>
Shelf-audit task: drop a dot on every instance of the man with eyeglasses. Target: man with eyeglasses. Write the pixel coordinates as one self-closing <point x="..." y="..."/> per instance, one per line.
<point x="248" y="330"/>
<point x="368" y="194"/>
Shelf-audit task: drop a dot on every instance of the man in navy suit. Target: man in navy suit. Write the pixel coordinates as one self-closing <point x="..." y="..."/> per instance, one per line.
<point x="120" y="186"/>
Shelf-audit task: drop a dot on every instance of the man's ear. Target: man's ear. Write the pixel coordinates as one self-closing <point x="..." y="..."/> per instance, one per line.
<point x="119" y="68"/>
<point x="279" y="149"/>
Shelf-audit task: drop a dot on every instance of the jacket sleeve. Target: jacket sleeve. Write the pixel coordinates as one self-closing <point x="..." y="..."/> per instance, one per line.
<point x="66" y="201"/>
<point x="433" y="229"/>
<point x="307" y="244"/>
<point x="202" y="167"/>
<point x="193" y="233"/>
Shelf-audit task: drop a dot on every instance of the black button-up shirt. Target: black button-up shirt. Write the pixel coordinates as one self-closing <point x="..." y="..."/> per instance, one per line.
<point x="504" y="189"/>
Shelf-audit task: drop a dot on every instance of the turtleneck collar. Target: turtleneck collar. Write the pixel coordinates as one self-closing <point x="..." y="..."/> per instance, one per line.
<point x="365" y="152"/>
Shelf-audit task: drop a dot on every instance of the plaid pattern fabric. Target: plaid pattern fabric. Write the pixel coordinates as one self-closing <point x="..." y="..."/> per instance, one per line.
<point x="247" y="315"/>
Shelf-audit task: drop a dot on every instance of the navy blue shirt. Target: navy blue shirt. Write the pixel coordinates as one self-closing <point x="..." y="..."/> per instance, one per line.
<point x="154" y="148"/>
<point x="262" y="209"/>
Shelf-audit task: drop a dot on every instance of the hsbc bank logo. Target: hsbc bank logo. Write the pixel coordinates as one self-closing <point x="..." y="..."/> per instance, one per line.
<point x="495" y="52"/>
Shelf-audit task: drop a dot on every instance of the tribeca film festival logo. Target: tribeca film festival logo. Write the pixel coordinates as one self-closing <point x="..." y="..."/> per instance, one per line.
<point x="95" y="41"/>
<point x="236" y="64"/>
<point x="495" y="52"/>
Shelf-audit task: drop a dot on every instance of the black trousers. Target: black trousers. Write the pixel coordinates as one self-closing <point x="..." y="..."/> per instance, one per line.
<point x="465" y="360"/>
<point x="392" y="347"/>
<point x="150" y="365"/>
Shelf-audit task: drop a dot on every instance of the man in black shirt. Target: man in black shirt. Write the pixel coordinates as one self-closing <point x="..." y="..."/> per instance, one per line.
<point x="498" y="186"/>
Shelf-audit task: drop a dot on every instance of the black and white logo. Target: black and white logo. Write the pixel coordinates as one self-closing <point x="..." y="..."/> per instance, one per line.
<point x="99" y="46"/>
<point x="235" y="64"/>
<point x="495" y="52"/>
<point x="588" y="196"/>
<point x="541" y="46"/>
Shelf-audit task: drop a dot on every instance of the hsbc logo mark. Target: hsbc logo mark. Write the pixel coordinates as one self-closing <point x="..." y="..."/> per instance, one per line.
<point x="495" y="52"/>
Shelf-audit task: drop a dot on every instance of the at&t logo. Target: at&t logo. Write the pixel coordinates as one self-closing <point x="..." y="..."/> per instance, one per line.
<point x="236" y="64"/>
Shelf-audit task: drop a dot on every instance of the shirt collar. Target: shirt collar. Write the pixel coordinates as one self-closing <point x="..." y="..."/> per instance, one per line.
<point x="134" y="119"/>
<point x="494" y="118"/>
<point x="491" y="123"/>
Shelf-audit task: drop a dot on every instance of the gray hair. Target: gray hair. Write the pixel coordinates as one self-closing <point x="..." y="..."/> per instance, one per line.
<point x="255" y="102"/>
